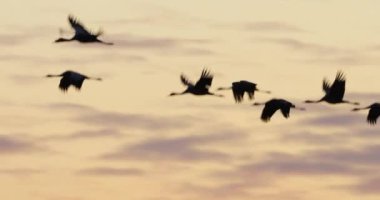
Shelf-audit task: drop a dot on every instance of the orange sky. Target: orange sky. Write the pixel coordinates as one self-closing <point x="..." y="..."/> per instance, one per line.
<point x="124" y="138"/>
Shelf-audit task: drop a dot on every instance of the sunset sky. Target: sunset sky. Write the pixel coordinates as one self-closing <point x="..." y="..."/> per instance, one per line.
<point x="125" y="138"/>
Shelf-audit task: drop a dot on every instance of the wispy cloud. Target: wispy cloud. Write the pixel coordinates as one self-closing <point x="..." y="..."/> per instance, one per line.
<point x="85" y="134"/>
<point x="110" y="171"/>
<point x="300" y="45"/>
<point x="21" y="171"/>
<point x="149" y="122"/>
<point x="187" y="148"/>
<point x="273" y="26"/>
<point x="11" y="145"/>
<point x="368" y="186"/>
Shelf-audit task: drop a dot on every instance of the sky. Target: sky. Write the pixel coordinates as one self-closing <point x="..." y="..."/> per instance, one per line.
<point x="125" y="138"/>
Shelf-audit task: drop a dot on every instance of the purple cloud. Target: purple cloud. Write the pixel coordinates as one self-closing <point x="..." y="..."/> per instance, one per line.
<point x="181" y="149"/>
<point x="10" y="145"/>
<point x="109" y="171"/>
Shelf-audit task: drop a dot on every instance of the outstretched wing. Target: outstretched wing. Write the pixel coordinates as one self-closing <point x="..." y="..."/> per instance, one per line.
<point x="205" y="81"/>
<point x="373" y="114"/>
<point x="78" y="26"/>
<point x="65" y="83"/>
<point x="270" y="108"/>
<point x="337" y="89"/>
<point x="237" y="91"/>
<point x="249" y="88"/>
<point x="186" y="81"/>
<point x="326" y="85"/>
<point x="285" y="110"/>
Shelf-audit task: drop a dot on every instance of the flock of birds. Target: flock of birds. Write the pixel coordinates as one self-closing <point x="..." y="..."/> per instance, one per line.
<point x="334" y="93"/>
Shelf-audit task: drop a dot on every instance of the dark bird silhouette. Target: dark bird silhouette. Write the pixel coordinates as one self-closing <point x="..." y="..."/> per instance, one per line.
<point x="273" y="105"/>
<point x="334" y="93"/>
<point x="82" y="34"/>
<point x="71" y="78"/>
<point x="373" y="114"/>
<point x="241" y="87"/>
<point x="200" y="88"/>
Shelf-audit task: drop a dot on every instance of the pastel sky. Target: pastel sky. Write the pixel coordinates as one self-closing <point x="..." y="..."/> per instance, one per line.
<point x="124" y="138"/>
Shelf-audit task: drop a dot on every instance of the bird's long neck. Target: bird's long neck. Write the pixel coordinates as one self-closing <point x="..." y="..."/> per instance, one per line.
<point x="357" y="109"/>
<point x="94" y="78"/>
<point x="64" y="40"/>
<point x="224" y="88"/>
<point x="258" y="104"/>
<point x="313" y="101"/>
<point x="106" y="43"/>
<point x="53" y="75"/>
<point x="213" y="94"/>
<point x="177" y="93"/>
<point x="350" y="102"/>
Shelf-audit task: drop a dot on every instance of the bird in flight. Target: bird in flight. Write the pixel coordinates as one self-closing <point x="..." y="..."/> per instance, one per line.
<point x="201" y="87"/>
<point x="82" y="34"/>
<point x="71" y="78"/>
<point x="273" y="105"/>
<point x="239" y="88"/>
<point x="373" y="114"/>
<point x="334" y="93"/>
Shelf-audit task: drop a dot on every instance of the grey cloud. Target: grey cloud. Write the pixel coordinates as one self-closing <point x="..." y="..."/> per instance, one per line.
<point x="21" y="171"/>
<point x="86" y="134"/>
<point x="291" y="165"/>
<point x="98" y="118"/>
<point x="370" y="97"/>
<point x="273" y="26"/>
<point x="134" y="120"/>
<point x="108" y="171"/>
<point x="10" y="145"/>
<point x="157" y="43"/>
<point x="181" y="149"/>
<point x="366" y="156"/>
<point x="365" y="187"/>
<point x="335" y="119"/>
<point x="299" y="45"/>
<point x="310" y="138"/>
<point x="68" y="106"/>
<point x="172" y="45"/>
<point x="225" y="191"/>
<point x="350" y="60"/>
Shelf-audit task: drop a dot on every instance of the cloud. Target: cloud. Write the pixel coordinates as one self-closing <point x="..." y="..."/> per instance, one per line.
<point x="335" y="119"/>
<point x="365" y="156"/>
<point x="143" y="121"/>
<point x="86" y="134"/>
<point x="21" y="171"/>
<point x="287" y="164"/>
<point x="173" y="45"/>
<point x="105" y="119"/>
<point x="11" y="145"/>
<point x="109" y="171"/>
<point x="14" y="39"/>
<point x="186" y="148"/>
<point x="368" y="186"/>
<point x="362" y="96"/>
<point x="68" y="106"/>
<point x="299" y="45"/>
<point x="273" y="26"/>
<point x="310" y="138"/>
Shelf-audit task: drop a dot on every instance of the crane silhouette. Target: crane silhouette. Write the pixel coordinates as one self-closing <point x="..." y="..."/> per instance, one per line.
<point x="273" y="105"/>
<point x="201" y="87"/>
<point x="241" y="87"/>
<point x="82" y="34"/>
<point x="373" y="114"/>
<point x="334" y="93"/>
<point x="71" y="78"/>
